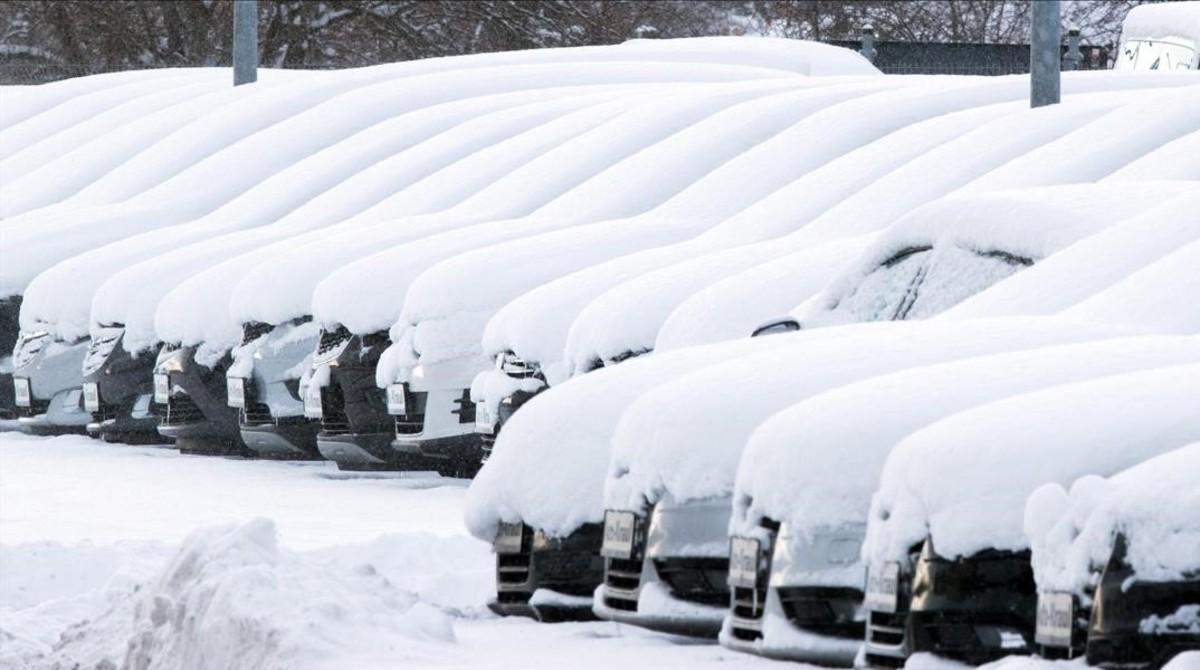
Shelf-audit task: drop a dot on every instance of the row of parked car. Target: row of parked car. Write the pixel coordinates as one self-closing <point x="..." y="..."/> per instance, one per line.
<point x="739" y="337"/>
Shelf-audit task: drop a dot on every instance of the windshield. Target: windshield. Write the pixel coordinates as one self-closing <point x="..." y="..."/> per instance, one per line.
<point x="886" y="294"/>
<point x="1172" y="53"/>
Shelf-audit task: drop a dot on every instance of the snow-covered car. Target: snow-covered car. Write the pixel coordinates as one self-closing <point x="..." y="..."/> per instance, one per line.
<point x="1160" y="37"/>
<point x="1117" y="563"/>
<point x="948" y="561"/>
<point x="806" y="477"/>
<point x="553" y="331"/>
<point x="442" y="423"/>
<point x="509" y="178"/>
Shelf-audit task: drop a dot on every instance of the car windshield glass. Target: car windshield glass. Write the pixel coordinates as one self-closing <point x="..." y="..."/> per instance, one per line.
<point x="886" y="293"/>
<point x="955" y="274"/>
<point x="1174" y="53"/>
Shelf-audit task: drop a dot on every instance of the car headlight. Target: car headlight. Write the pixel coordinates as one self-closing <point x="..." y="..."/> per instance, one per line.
<point x="99" y="352"/>
<point x="29" y="345"/>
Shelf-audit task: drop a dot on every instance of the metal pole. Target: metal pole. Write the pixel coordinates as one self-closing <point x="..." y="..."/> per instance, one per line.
<point x="245" y="42"/>
<point x="1045" y="54"/>
<point x="868" y="42"/>
<point x="1074" y="55"/>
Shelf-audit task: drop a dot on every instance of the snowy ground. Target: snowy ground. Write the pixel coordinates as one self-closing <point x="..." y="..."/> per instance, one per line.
<point x="116" y="556"/>
<point x="139" y="554"/>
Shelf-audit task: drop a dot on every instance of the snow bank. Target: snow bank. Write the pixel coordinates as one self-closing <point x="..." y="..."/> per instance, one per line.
<point x="551" y="434"/>
<point x="734" y="306"/>
<point x="33" y="100"/>
<point x="232" y="598"/>
<point x="816" y="464"/>
<point x="1158" y="298"/>
<point x="667" y="444"/>
<point x="952" y="248"/>
<point x="1176" y="19"/>
<point x="1155" y="505"/>
<point x="1089" y="265"/>
<point x="1000" y="452"/>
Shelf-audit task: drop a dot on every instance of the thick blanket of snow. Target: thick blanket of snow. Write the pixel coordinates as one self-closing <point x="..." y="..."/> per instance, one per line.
<point x="1155" y="505"/>
<point x="475" y="151"/>
<point x="568" y="431"/>
<point x="963" y="480"/>
<point x="1025" y="223"/>
<point x="1089" y="265"/>
<point x="1174" y="19"/>
<point x="606" y="135"/>
<point x="667" y="444"/>
<point x="1159" y="297"/>
<point x="305" y="567"/>
<point x="1177" y="159"/>
<point x="816" y="464"/>
<point x="24" y="102"/>
<point x="90" y="158"/>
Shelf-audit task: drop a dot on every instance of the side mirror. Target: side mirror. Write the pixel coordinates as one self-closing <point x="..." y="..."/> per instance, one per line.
<point x="783" y="325"/>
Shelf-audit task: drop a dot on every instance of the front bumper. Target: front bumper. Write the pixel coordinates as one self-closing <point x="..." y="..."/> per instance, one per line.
<point x="676" y="582"/>
<point x="272" y="420"/>
<point x="356" y="430"/>
<point x="1137" y="624"/>
<point x="52" y="372"/>
<point x="196" y="415"/>
<point x="808" y="606"/>
<point x="123" y="386"/>
<point x="438" y="423"/>
<point x="550" y="580"/>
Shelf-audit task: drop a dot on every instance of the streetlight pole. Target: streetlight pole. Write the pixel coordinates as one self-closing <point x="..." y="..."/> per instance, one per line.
<point x="245" y="42"/>
<point x="1045" y="54"/>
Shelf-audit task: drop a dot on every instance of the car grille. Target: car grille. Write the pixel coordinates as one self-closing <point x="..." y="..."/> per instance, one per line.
<point x="886" y="629"/>
<point x="107" y="412"/>
<point x="253" y="330"/>
<point x="622" y="577"/>
<point x="825" y="611"/>
<point x="696" y="580"/>
<point x="181" y="409"/>
<point x="256" y="413"/>
<point x="486" y="442"/>
<point x="333" y="411"/>
<point x="332" y="338"/>
<point x="412" y="423"/>
<point x="748" y="607"/>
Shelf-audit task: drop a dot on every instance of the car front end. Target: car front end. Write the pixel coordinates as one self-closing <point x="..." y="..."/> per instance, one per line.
<point x="193" y="406"/>
<point x="434" y="417"/>
<point x="1137" y="623"/>
<point x="47" y="384"/>
<point x="521" y="374"/>
<point x="889" y="642"/>
<point x="797" y="596"/>
<point x="263" y="386"/>
<point x="10" y="331"/>
<point x="547" y="578"/>
<point x="667" y="571"/>
<point x="356" y="430"/>
<point x="118" y="390"/>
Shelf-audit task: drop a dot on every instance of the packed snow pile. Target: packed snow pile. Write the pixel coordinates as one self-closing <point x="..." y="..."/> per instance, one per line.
<point x="1155" y="505"/>
<point x="232" y="598"/>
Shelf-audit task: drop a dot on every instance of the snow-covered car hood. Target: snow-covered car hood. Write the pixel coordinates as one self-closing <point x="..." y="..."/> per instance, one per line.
<point x="940" y="246"/>
<point x="816" y="464"/>
<point x="963" y="481"/>
<point x="667" y="443"/>
<point x="1089" y="265"/>
<point x="1155" y="505"/>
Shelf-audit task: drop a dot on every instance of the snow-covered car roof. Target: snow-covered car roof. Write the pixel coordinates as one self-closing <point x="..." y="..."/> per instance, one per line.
<point x="934" y="257"/>
<point x="667" y="445"/>
<point x="816" y="463"/>
<point x="1089" y="265"/>
<point x="441" y="169"/>
<point x="963" y="481"/>
<point x="272" y="198"/>
<point x="1160" y="21"/>
<point x="318" y="109"/>
<point x="1160" y="297"/>
<point x="436" y="295"/>
<point x="1154" y="505"/>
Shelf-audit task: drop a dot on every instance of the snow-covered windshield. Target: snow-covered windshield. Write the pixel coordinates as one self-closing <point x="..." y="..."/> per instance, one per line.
<point x="1172" y="53"/>
<point x="917" y="282"/>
